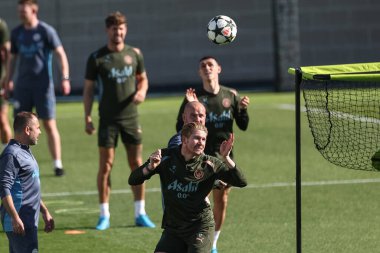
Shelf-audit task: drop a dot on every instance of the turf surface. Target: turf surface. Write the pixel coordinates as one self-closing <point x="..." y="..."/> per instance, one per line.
<point x="340" y="209"/>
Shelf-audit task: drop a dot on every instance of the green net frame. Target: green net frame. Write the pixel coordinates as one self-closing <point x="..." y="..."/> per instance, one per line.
<point x="343" y="110"/>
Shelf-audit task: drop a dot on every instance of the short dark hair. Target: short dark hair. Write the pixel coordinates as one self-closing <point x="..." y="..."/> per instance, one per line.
<point x="189" y="128"/>
<point x="115" y="18"/>
<point x="22" y="120"/>
<point x="208" y="57"/>
<point x="21" y="2"/>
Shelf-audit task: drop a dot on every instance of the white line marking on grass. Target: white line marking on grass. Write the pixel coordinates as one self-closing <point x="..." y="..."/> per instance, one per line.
<point x="290" y="107"/>
<point x="317" y="183"/>
<point x="251" y="186"/>
<point x="336" y="114"/>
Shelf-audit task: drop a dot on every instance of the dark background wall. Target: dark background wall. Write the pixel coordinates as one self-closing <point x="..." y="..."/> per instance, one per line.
<point x="172" y="36"/>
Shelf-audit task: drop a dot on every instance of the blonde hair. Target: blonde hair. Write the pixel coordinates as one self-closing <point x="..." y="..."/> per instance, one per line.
<point x="190" y="128"/>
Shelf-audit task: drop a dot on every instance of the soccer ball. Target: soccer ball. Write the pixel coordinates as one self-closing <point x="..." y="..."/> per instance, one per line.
<point x="221" y="30"/>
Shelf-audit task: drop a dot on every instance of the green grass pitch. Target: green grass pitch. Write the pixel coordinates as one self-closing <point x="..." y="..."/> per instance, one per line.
<point x="340" y="211"/>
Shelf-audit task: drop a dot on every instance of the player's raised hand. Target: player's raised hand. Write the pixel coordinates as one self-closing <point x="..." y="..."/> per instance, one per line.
<point x="244" y="102"/>
<point x="190" y="95"/>
<point x="226" y="146"/>
<point x="154" y="159"/>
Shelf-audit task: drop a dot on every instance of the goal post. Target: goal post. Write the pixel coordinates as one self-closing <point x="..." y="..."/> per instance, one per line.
<point x="343" y="110"/>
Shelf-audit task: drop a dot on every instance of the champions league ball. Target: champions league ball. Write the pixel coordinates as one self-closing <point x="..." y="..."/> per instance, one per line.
<point x="221" y="30"/>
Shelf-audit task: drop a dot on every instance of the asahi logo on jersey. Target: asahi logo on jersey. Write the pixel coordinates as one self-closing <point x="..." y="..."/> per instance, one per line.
<point x="121" y="75"/>
<point x="219" y="119"/>
<point x="29" y="51"/>
<point x="179" y="187"/>
<point x="224" y="116"/>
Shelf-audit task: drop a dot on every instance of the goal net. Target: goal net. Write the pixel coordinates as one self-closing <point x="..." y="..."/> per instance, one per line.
<point x="343" y="109"/>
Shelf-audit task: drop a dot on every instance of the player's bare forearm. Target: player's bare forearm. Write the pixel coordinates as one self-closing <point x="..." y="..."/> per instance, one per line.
<point x="66" y="87"/>
<point x="17" y="224"/>
<point x="142" y="88"/>
<point x="88" y="99"/>
<point x="10" y="67"/>
<point x="48" y="219"/>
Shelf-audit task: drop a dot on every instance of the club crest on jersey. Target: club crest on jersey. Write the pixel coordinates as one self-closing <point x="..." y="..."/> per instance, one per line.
<point x="226" y="102"/>
<point x="128" y="59"/>
<point x="36" y="37"/>
<point x="198" y="174"/>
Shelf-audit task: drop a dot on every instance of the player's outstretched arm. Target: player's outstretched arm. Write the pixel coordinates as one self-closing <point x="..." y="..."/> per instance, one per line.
<point x="233" y="175"/>
<point x="145" y="171"/>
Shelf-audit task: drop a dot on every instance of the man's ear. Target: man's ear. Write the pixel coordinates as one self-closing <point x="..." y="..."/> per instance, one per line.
<point x="27" y="130"/>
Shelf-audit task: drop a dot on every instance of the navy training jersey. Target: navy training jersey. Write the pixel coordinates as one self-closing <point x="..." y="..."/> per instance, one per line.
<point x="34" y="48"/>
<point x="19" y="177"/>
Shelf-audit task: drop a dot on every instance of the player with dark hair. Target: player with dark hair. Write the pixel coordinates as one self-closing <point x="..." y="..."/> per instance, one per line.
<point x="187" y="176"/>
<point x="223" y="107"/>
<point x="20" y="187"/>
<point x="122" y="79"/>
<point x="5" y="48"/>
<point x="32" y="45"/>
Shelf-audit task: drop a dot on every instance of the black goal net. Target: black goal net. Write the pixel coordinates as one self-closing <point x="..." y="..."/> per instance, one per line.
<point x="344" y="117"/>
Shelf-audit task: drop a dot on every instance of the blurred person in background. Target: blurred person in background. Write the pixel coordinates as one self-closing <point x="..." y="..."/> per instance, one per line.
<point x="32" y="45"/>
<point x="118" y="70"/>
